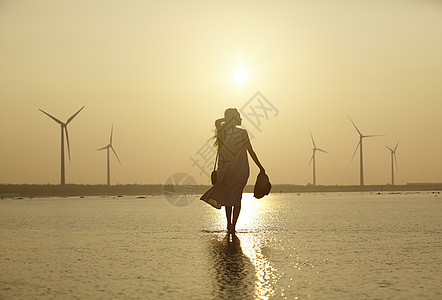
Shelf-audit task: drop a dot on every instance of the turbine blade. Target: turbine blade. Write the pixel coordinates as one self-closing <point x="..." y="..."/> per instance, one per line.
<point x="356" y="150"/>
<point x="313" y="141"/>
<point x="389" y="148"/>
<point x="311" y="158"/>
<point x="67" y="141"/>
<point x="115" y="154"/>
<point x="105" y="147"/>
<point x="372" y="135"/>
<point x="395" y="160"/>
<point x="321" y="150"/>
<point x="53" y="118"/>
<point x="73" y="116"/>
<point x="396" y="146"/>
<point x="355" y="126"/>
<point x="112" y="131"/>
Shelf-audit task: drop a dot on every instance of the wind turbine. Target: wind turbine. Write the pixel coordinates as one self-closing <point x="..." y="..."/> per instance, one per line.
<point x="314" y="158"/>
<point x="361" y="160"/>
<point x="109" y="146"/>
<point x="64" y="129"/>
<point x="393" y="155"/>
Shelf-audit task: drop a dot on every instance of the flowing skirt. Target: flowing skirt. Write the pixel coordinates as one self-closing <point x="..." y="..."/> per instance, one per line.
<point x="231" y="179"/>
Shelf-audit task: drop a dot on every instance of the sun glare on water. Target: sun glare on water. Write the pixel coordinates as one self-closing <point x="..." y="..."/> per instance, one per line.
<point x="240" y="75"/>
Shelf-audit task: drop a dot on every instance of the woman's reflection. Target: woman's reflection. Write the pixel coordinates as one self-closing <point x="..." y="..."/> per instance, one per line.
<point x="233" y="273"/>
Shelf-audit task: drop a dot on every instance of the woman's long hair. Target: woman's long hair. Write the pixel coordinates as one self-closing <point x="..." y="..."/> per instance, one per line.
<point x="231" y="119"/>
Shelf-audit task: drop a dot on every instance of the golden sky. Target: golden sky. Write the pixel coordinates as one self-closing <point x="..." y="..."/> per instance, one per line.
<point x="162" y="72"/>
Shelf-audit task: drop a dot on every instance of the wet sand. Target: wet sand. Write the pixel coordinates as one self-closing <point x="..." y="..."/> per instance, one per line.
<point x="334" y="246"/>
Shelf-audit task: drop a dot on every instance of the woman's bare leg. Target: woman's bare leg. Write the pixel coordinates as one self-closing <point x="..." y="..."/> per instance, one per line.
<point x="236" y="211"/>
<point x="229" y="217"/>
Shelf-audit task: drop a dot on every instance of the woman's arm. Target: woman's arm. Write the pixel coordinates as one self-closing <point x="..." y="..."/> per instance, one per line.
<point x="253" y="154"/>
<point x="218" y="123"/>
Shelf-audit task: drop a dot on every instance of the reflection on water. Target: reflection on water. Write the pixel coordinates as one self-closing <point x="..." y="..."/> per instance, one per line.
<point x="241" y="268"/>
<point x="265" y="273"/>
<point x="233" y="273"/>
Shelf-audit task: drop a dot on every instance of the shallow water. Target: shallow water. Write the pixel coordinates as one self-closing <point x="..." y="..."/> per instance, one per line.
<point x="288" y="246"/>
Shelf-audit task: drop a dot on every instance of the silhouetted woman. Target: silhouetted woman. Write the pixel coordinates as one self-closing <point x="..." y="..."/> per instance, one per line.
<point x="233" y="166"/>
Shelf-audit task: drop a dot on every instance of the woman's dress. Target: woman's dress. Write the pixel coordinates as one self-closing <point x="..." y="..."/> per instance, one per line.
<point x="232" y="172"/>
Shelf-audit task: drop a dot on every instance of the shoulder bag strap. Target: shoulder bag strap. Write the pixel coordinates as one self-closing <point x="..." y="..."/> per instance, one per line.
<point x="216" y="159"/>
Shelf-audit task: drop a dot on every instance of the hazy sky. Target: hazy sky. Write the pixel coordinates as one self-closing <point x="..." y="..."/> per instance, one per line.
<point x="162" y="72"/>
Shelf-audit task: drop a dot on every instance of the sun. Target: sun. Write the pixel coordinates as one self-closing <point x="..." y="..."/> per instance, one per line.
<point x="239" y="75"/>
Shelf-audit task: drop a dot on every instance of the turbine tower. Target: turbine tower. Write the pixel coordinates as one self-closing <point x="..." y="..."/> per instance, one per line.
<point x="393" y="156"/>
<point x="361" y="160"/>
<point x="109" y="146"/>
<point x="64" y="129"/>
<point x="314" y="158"/>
